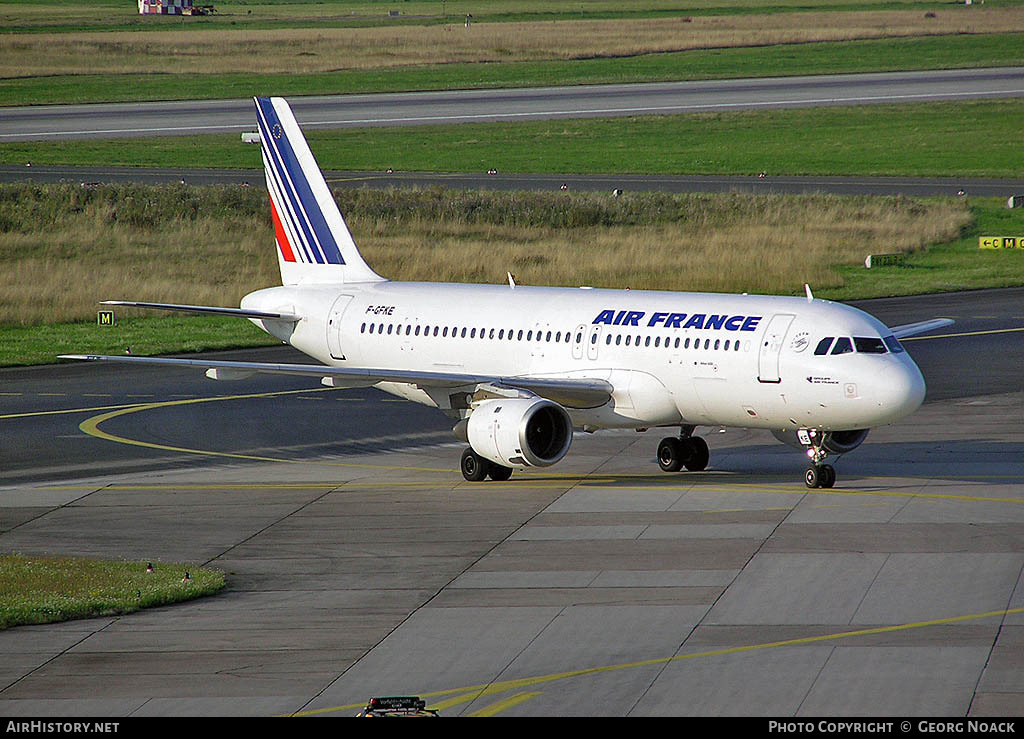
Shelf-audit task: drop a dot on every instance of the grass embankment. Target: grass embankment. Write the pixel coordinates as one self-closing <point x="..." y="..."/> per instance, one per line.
<point x="213" y="245"/>
<point x="972" y="139"/>
<point x="201" y="58"/>
<point x="40" y="590"/>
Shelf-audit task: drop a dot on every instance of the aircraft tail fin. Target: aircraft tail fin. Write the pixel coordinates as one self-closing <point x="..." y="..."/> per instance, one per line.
<point x="313" y="243"/>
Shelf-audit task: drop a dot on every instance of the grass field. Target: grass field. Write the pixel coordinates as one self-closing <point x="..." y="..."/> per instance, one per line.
<point x="37" y="16"/>
<point x="41" y="590"/>
<point x="649" y="41"/>
<point x="974" y="139"/>
<point x="164" y="244"/>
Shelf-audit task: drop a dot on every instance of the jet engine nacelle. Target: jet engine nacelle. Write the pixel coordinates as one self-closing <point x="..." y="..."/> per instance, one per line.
<point x="518" y="432"/>
<point x="835" y="442"/>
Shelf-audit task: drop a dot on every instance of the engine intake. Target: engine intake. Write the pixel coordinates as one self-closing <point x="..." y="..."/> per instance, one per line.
<point x="519" y="432"/>
<point x="835" y="442"/>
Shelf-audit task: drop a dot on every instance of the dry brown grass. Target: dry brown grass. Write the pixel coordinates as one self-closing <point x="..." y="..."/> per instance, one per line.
<point x="764" y="250"/>
<point x="730" y="243"/>
<point x="310" y="50"/>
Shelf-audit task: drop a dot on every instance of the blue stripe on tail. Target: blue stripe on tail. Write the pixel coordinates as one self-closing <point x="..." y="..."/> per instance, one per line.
<point x="300" y="207"/>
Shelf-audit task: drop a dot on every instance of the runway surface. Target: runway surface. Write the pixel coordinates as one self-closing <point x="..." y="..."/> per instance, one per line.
<point x="426" y="108"/>
<point x="360" y="563"/>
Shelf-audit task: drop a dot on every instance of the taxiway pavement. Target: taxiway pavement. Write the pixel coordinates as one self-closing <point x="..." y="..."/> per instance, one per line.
<point x="598" y="587"/>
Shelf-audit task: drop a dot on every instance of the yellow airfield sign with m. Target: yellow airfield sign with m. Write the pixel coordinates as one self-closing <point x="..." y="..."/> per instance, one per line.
<point x="1001" y="242"/>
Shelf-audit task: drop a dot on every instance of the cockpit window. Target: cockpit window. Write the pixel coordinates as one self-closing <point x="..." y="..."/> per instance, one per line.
<point x="869" y="345"/>
<point x="823" y="345"/>
<point x="894" y="345"/>
<point x="843" y="346"/>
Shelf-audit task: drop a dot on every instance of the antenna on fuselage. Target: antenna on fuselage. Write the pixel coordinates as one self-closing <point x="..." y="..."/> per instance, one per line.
<point x="511" y="280"/>
<point x="807" y="289"/>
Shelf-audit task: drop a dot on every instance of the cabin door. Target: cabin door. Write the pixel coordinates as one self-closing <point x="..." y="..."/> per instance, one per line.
<point x="334" y="341"/>
<point x="771" y="348"/>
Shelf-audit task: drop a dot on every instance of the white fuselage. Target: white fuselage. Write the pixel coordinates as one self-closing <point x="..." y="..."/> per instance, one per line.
<point x="672" y="358"/>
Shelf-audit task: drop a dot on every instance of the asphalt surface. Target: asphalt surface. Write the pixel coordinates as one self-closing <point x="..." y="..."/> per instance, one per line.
<point x="360" y="563"/>
<point x="431" y="108"/>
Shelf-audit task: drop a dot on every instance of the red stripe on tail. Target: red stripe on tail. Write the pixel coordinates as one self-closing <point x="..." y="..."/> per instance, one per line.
<point x="282" y="237"/>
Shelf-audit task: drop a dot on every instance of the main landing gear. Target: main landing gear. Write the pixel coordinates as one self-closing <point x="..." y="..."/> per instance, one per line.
<point x="686" y="451"/>
<point x="475" y="468"/>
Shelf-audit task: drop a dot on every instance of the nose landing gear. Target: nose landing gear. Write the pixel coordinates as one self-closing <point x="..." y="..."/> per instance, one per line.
<point x="818" y="474"/>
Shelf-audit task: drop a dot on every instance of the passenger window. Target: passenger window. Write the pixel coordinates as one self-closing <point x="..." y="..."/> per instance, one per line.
<point x="843" y="346"/>
<point x="823" y="345"/>
<point x="869" y="345"/>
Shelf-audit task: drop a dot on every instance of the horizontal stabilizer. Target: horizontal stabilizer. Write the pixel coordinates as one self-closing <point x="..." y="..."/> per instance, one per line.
<point x="208" y="309"/>
<point x="911" y="329"/>
<point x="571" y="392"/>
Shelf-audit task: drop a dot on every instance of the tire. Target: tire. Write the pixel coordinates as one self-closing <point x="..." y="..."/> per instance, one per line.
<point x="474" y="467"/>
<point x="828" y="475"/>
<point x="499" y="473"/>
<point x="670" y="454"/>
<point x="812" y="477"/>
<point x="699" y="455"/>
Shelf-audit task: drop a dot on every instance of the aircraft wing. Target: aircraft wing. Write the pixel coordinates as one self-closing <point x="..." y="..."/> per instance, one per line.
<point x="572" y="392"/>
<point x="910" y="329"/>
<point x="210" y="309"/>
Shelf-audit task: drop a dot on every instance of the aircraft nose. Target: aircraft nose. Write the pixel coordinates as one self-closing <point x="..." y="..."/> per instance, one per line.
<point x="903" y="390"/>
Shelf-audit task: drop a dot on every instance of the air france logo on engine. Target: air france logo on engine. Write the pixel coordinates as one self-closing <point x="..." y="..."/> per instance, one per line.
<point x="678" y="320"/>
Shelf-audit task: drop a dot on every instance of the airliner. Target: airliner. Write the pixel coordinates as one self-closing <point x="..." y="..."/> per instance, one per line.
<point x="520" y="369"/>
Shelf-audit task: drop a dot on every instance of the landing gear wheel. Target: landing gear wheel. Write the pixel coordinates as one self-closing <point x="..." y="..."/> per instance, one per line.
<point x="823" y="476"/>
<point x="812" y="477"/>
<point x="474" y="467"/>
<point x="828" y="476"/>
<point x="670" y="454"/>
<point x="699" y="455"/>
<point x="499" y="473"/>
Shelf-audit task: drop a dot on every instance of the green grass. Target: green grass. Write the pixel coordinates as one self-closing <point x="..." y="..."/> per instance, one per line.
<point x="942" y="52"/>
<point x="40" y="590"/>
<point x="40" y="344"/>
<point x="973" y="139"/>
<point x="957" y="265"/>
